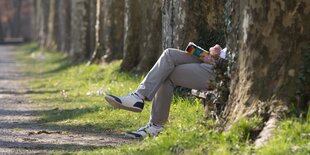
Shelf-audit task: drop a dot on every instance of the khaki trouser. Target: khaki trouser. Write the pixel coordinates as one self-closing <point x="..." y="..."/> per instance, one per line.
<point x="173" y="68"/>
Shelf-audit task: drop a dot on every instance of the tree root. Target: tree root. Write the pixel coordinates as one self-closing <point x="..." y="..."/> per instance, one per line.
<point x="267" y="132"/>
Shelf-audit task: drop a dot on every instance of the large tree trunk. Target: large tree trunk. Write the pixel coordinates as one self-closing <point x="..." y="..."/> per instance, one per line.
<point x="201" y="22"/>
<point x="198" y="21"/>
<point x="79" y="26"/>
<point x="98" y="52"/>
<point x="35" y="20"/>
<point x="42" y="12"/>
<point x="25" y="28"/>
<point x="113" y="29"/>
<point x="1" y="33"/>
<point x="83" y="20"/>
<point x="142" y="35"/>
<point x="52" y="25"/>
<point x="101" y="35"/>
<point x="91" y="29"/>
<point x="150" y="34"/>
<point x="131" y="37"/>
<point x="271" y="40"/>
<point x="16" y="19"/>
<point x="64" y="12"/>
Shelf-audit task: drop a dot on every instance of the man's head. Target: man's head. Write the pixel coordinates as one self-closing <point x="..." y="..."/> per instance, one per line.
<point x="215" y="50"/>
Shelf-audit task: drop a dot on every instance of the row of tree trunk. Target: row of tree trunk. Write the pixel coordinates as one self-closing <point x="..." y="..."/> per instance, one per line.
<point x="268" y="43"/>
<point x="15" y="20"/>
<point x="136" y="31"/>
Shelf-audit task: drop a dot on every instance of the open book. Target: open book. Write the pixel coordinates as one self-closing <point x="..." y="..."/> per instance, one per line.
<point x="196" y="51"/>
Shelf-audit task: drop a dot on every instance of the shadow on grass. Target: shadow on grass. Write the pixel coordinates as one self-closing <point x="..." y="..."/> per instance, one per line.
<point x="48" y="117"/>
<point x="51" y="147"/>
<point x="29" y="92"/>
<point x="65" y="64"/>
<point x="64" y="61"/>
<point x="57" y="115"/>
<point x="28" y="48"/>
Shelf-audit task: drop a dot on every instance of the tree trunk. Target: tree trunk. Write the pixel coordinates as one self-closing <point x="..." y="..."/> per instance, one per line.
<point x="16" y="19"/>
<point x="52" y="24"/>
<point x="131" y="34"/>
<point x="270" y="44"/>
<point x="64" y="12"/>
<point x="79" y="26"/>
<point x="1" y="33"/>
<point x="25" y="28"/>
<point x="186" y="21"/>
<point x="150" y="34"/>
<point x="113" y="29"/>
<point x="91" y="29"/>
<point x="101" y="35"/>
<point x="43" y="10"/>
<point x="35" y="20"/>
<point x="98" y="52"/>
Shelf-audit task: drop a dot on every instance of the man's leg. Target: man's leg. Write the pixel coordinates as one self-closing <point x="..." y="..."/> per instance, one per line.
<point x="164" y="66"/>
<point x="194" y="76"/>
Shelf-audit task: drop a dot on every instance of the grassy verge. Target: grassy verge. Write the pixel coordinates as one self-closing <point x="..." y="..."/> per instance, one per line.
<point x="70" y="90"/>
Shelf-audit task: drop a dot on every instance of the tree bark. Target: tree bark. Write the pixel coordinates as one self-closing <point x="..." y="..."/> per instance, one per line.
<point x="64" y="12"/>
<point x="186" y="21"/>
<point x="79" y="26"/>
<point x="97" y="53"/>
<point x="270" y="44"/>
<point x="25" y="28"/>
<point x="16" y="19"/>
<point x="101" y="35"/>
<point x="131" y="34"/>
<point x="35" y="20"/>
<point x="1" y="33"/>
<point x="91" y="29"/>
<point x="52" y="25"/>
<point x="43" y="10"/>
<point x="113" y="29"/>
<point x="142" y="35"/>
<point x="150" y="34"/>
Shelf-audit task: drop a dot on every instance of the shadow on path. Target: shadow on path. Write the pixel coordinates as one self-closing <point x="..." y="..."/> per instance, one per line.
<point x="22" y="132"/>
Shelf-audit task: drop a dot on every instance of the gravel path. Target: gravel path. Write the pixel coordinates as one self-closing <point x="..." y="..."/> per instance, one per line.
<point x="20" y="132"/>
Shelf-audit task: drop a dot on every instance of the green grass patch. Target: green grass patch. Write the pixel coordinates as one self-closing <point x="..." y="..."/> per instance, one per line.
<point x="69" y="92"/>
<point x="292" y="137"/>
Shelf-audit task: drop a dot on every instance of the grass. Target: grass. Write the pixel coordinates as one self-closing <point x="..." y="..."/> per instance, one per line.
<point x="70" y="91"/>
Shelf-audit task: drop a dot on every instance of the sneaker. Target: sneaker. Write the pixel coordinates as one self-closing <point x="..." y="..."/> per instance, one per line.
<point x="150" y="129"/>
<point x="130" y="102"/>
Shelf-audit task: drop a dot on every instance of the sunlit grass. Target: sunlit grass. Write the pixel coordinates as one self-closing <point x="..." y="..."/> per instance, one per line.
<point x="292" y="137"/>
<point x="73" y="94"/>
<point x="74" y="90"/>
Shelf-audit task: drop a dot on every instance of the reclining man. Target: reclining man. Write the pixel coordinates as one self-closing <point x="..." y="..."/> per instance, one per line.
<point x="173" y="68"/>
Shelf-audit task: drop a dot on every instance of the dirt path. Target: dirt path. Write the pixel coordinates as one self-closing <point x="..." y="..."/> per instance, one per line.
<point x="20" y="132"/>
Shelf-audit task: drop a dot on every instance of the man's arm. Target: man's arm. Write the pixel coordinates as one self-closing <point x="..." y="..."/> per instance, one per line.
<point x="214" y="56"/>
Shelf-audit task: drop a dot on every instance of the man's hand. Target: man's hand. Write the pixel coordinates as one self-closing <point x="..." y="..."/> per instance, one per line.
<point x="214" y="54"/>
<point x="207" y="58"/>
<point x="215" y="51"/>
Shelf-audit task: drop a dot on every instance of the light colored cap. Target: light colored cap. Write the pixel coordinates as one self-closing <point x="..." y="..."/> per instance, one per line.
<point x="223" y="53"/>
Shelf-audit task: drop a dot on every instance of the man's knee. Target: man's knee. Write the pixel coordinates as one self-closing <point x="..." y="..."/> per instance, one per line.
<point x="170" y="51"/>
<point x="167" y="51"/>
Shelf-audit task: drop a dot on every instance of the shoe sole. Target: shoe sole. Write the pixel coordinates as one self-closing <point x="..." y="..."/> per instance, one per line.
<point x="116" y="104"/>
<point x="132" y="136"/>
